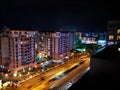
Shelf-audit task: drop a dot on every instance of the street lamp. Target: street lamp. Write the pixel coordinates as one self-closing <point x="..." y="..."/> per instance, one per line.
<point x="35" y="66"/>
<point x="20" y="74"/>
<point x="0" y="84"/>
<point x="23" y="70"/>
<point x="119" y="49"/>
<point x="15" y="74"/>
<point x="29" y="68"/>
<point x="6" y="75"/>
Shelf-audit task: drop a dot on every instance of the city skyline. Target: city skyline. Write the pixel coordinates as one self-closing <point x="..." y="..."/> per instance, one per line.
<point x="54" y="15"/>
<point x="26" y="54"/>
<point x="28" y="57"/>
<point x="52" y="44"/>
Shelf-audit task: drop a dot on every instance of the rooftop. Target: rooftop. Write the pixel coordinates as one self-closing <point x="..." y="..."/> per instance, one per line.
<point x="104" y="71"/>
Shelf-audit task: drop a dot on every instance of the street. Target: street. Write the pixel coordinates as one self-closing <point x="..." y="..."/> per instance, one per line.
<point x="75" y="74"/>
<point x="35" y="83"/>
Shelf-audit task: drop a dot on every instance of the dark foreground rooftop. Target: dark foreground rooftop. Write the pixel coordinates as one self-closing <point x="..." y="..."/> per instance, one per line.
<point x="109" y="53"/>
<point x="104" y="73"/>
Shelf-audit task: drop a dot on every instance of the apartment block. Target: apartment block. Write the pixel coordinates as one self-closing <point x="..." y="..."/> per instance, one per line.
<point x="113" y="32"/>
<point x="57" y="44"/>
<point x="17" y="48"/>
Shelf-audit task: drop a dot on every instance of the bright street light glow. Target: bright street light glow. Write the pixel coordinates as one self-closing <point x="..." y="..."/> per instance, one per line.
<point x="119" y="49"/>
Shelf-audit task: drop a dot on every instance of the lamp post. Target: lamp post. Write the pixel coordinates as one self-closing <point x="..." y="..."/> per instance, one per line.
<point x="1" y="86"/>
<point x="15" y="74"/>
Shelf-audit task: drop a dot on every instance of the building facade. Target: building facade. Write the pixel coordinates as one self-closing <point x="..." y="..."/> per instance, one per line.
<point x="57" y="44"/>
<point x="17" y="48"/>
<point x="113" y="33"/>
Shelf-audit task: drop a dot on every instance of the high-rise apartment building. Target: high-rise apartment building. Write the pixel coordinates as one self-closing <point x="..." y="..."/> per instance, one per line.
<point x="42" y="41"/>
<point x="72" y="40"/>
<point x="17" y="48"/>
<point x="113" y="32"/>
<point x="58" y="44"/>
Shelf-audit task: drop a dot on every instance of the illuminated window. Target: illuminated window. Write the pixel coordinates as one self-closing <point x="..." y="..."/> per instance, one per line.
<point x="111" y="37"/>
<point x="119" y="49"/>
<point x="110" y="43"/>
<point x="118" y="31"/>
<point x="118" y="37"/>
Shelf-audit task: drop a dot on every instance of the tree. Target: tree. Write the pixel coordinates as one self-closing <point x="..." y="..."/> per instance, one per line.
<point x="78" y="43"/>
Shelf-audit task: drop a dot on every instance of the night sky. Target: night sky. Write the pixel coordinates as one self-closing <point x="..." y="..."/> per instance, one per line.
<point x="70" y="15"/>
